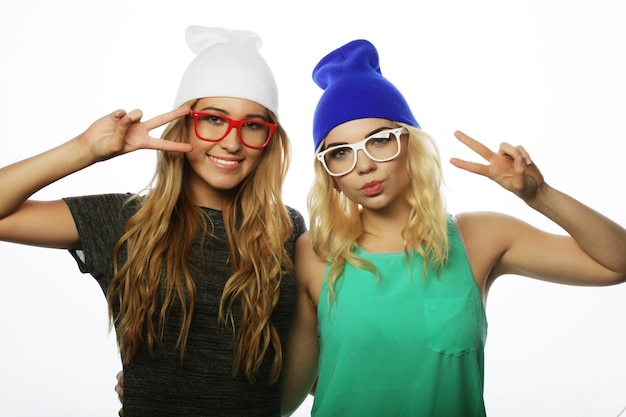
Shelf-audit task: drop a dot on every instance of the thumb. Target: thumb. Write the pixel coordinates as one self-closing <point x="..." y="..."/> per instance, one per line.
<point x="519" y="169"/>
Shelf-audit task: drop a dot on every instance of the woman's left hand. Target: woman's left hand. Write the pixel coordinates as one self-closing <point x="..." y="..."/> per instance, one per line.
<point x="511" y="167"/>
<point x="119" y="388"/>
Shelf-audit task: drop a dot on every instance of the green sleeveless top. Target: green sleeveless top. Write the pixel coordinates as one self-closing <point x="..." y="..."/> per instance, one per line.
<point x="402" y="345"/>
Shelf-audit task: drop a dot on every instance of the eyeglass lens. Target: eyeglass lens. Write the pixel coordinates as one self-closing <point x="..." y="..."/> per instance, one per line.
<point x="214" y="127"/>
<point x="380" y="147"/>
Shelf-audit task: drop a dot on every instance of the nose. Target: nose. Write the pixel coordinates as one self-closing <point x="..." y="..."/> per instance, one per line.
<point x="363" y="163"/>
<point x="231" y="141"/>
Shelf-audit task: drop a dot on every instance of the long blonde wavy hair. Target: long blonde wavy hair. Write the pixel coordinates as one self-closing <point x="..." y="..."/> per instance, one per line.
<point x="335" y="221"/>
<point x="257" y="225"/>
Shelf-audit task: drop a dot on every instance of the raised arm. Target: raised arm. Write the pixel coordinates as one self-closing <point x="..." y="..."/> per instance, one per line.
<point x="594" y="253"/>
<point x="50" y="223"/>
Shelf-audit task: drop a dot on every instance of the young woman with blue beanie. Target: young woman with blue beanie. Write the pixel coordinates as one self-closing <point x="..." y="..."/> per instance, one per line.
<point x="390" y="317"/>
<point x="197" y="269"/>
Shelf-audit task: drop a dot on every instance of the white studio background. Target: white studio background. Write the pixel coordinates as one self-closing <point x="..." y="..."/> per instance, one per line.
<point x="547" y="74"/>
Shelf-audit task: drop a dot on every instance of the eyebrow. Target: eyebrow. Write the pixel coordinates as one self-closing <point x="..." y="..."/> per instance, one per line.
<point x="373" y="132"/>
<point x="225" y="113"/>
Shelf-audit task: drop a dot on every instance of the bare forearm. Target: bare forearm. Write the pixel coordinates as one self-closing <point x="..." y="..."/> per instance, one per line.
<point x="22" y="179"/>
<point x="601" y="238"/>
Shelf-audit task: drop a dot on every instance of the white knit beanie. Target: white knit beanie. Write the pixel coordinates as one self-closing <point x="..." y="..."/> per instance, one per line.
<point x="227" y="64"/>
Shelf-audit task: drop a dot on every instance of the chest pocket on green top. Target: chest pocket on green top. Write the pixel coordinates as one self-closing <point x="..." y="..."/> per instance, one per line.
<point x="451" y="324"/>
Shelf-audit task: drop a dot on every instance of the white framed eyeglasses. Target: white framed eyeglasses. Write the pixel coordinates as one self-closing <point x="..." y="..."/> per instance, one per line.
<point x="382" y="146"/>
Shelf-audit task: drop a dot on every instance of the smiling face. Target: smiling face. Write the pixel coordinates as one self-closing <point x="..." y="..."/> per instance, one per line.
<point x="373" y="185"/>
<point x="219" y="167"/>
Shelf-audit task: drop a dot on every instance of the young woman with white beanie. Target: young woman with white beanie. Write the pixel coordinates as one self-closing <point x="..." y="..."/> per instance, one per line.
<point x="197" y="269"/>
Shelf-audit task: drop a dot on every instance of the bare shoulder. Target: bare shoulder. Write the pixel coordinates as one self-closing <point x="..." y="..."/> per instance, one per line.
<point x="481" y="219"/>
<point x="485" y="225"/>
<point x="303" y="245"/>
<point x="310" y="268"/>
<point x="490" y="228"/>
<point x="305" y="256"/>
<point x="487" y="236"/>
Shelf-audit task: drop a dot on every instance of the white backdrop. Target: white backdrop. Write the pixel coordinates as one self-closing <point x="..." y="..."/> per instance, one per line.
<point x="547" y="74"/>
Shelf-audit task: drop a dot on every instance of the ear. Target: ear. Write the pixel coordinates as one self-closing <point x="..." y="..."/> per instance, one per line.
<point x="336" y="186"/>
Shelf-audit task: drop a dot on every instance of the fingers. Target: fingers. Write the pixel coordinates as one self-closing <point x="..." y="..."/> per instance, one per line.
<point x="135" y="115"/>
<point x="124" y="122"/>
<point x="126" y="119"/>
<point x="477" y="147"/>
<point x="119" y="388"/>
<point x="169" y="146"/>
<point x="511" y="166"/>
<point x="120" y="393"/>
<point x="136" y="133"/>
<point x="505" y="149"/>
<point x="515" y="151"/>
<point x="473" y="167"/>
<point x="519" y="171"/>
<point x="118" y="114"/>
<point x="474" y="145"/>
<point x="498" y="163"/>
<point x="165" y="145"/>
<point x="167" y="117"/>
<point x="521" y="159"/>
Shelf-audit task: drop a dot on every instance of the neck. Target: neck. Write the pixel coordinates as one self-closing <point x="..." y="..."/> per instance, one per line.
<point x="209" y="197"/>
<point x="382" y="229"/>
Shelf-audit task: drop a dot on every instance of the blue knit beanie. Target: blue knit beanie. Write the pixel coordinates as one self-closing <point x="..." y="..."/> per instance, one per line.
<point x="354" y="88"/>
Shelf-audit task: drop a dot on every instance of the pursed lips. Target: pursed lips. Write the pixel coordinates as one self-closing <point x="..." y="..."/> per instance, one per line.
<point x="372" y="187"/>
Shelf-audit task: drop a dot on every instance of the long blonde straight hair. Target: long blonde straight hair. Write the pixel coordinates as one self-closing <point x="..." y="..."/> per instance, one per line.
<point x="257" y="225"/>
<point x="335" y="221"/>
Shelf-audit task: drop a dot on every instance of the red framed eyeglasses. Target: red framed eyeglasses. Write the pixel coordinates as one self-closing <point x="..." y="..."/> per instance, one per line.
<point x="211" y="127"/>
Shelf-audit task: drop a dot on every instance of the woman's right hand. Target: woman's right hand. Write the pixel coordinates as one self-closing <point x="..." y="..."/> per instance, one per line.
<point x="120" y="132"/>
<point x="111" y="135"/>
